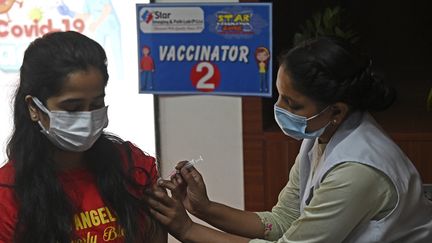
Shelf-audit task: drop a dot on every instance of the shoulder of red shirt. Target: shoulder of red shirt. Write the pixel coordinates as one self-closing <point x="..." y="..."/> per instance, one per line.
<point x="8" y="211"/>
<point x="143" y="164"/>
<point x="7" y="175"/>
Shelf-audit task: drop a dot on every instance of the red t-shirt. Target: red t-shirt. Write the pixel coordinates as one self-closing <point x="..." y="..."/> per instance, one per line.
<point x="147" y="63"/>
<point x="95" y="222"/>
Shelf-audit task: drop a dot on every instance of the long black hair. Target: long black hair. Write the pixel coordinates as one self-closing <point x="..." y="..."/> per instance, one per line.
<point x="45" y="211"/>
<point x="330" y="69"/>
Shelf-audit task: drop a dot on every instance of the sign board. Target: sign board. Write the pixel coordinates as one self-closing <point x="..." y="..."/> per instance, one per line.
<point x="203" y="48"/>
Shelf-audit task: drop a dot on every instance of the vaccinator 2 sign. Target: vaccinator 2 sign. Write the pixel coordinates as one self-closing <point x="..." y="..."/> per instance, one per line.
<point x="205" y="48"/>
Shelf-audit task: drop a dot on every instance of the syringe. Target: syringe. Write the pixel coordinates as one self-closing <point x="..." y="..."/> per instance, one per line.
<point x="189" y="164"/>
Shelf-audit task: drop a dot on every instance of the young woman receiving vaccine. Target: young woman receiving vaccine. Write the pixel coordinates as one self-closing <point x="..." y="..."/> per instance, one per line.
<point x="66" y="179"/>
<point x="350" y="181"/>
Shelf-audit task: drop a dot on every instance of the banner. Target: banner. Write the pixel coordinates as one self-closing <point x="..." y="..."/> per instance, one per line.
<point x="203" y="48"/>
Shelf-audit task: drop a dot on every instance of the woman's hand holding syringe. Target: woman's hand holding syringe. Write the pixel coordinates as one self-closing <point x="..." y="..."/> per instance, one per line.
<point x="189" y="164"/>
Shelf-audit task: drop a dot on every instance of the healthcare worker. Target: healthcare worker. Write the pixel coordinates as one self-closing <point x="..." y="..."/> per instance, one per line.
<point x="350" y="181"/>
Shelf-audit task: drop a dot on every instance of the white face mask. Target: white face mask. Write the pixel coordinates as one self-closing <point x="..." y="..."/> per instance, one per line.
<point x="74" y="131"/>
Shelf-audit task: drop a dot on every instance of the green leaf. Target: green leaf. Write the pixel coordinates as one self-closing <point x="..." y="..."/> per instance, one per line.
<point x="327" y="22"/>
<point x="298" y="38"/>
<point x="429" y="101"/>
<point x="355" y="39"/>
<point x="309" y="25"/>
<point x="317" y="20"/>
<point x="333" y="22"/>
<point x="326" y="18"/>
<point x="339" y="32"/>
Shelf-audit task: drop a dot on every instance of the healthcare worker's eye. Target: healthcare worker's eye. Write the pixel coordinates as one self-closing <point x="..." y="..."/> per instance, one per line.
<point x="295" y="107"/>
<point x="291" y="104"/>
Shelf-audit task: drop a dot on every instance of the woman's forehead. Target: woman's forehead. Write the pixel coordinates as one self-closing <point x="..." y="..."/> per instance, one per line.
<point x="83" y="83"/>
<point x="285" y="84"/>
<point x="286" y="88"/>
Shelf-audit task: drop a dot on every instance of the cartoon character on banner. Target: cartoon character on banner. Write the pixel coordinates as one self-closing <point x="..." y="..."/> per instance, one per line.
<point x="64" y="9"/>
<point x="262" y="56"/>
<point x="146" y="69"/>
<point x="105" y="28"/>
<point x="6" y="5"/>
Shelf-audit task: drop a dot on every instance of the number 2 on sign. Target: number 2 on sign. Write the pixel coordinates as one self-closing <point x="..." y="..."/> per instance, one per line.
<point x="205" y="76"/>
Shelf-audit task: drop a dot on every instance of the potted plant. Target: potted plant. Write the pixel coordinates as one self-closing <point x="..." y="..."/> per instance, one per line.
<point x="330" y="22"/>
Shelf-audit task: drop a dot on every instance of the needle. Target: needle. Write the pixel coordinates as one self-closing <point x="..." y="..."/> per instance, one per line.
<point x="189" y="164"/>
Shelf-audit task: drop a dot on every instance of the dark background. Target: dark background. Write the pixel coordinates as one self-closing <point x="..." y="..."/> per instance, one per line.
<point x="396" y="34"/>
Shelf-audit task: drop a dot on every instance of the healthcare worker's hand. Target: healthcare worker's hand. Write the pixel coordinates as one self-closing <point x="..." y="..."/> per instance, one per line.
<point x="191" y="189"/>
<point x="169" y="211"/>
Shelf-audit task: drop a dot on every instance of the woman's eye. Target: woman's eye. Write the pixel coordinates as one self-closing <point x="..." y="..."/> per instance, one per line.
<point x="72" y="109"/>
<point x="70" y="106"/>
<point x="97" y="105"/>
<point x="295" y="107"/>
<point x="82" y="107"/>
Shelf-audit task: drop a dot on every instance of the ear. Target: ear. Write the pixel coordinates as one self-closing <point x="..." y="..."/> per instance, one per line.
<point x="340" y="111"/>
<point x="33" y="111"/>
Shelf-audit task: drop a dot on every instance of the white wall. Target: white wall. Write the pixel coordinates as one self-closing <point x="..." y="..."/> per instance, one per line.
<point x="210" y="126"/>
<point x="131" y="115"/>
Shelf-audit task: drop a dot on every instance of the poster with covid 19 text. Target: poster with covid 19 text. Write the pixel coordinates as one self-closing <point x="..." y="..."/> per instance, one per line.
<point x="219" y="49"/>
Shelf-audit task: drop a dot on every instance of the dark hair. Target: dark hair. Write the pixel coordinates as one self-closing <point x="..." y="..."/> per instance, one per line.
<point x="45" y="213"/>
<point x="329" y="70"/>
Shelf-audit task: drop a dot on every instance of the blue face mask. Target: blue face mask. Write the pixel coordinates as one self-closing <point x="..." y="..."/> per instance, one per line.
<point x="294" y="125"/>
